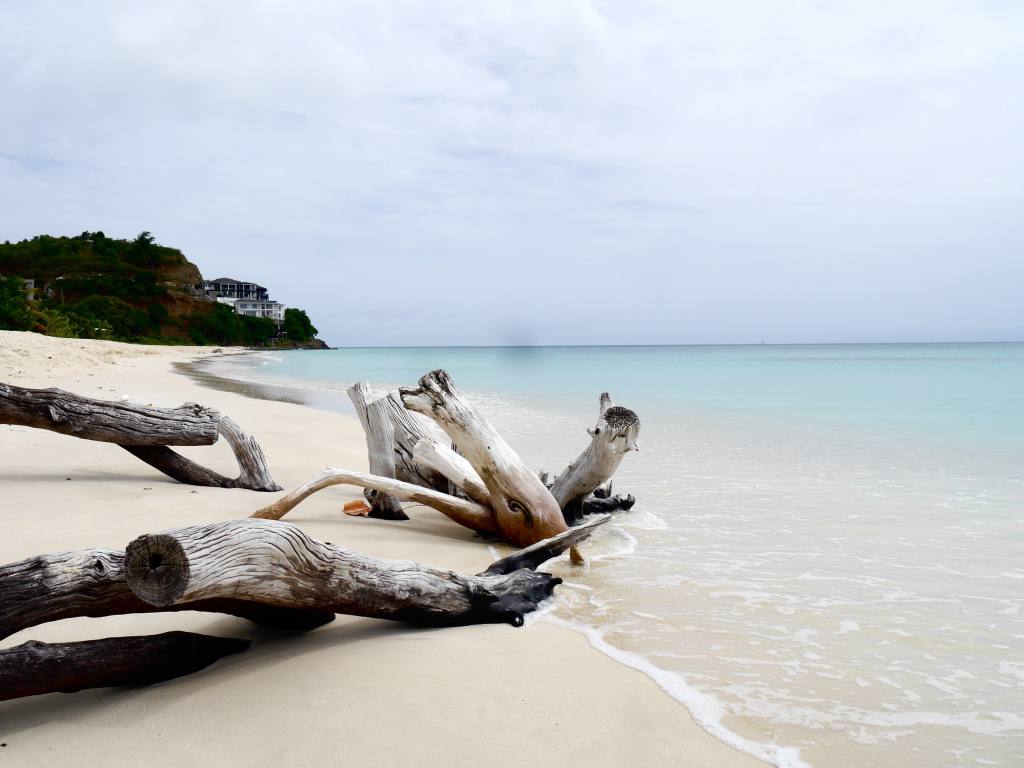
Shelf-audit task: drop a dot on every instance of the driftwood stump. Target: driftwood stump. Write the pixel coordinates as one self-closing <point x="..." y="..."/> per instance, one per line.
<point x="524" y="510"/>
<point x="380" y="447"/>
<point x="143" y="431"/>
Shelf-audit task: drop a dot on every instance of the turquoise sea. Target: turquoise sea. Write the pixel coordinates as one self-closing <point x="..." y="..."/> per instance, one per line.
<point x="826" y="560"/>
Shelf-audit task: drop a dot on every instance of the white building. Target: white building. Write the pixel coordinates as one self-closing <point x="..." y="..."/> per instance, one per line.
<point x="255" y="307"/>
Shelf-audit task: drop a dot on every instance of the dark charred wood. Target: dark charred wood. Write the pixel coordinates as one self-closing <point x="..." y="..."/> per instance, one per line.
<point x="35" y="668"/>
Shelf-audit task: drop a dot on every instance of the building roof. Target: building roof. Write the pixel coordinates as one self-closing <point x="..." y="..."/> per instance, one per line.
<point x="232" y="281"/>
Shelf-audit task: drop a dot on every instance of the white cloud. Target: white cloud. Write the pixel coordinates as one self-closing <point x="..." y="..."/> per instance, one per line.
<point x="559" y="171"/>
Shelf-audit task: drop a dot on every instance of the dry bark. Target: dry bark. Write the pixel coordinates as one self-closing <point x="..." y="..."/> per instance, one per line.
<point x="380" y="446"/>
<point x="524" y="510"/>
<point x="614" y="435"/>
<point x="278" y="564"/>
<point x="143" y="431"/>
<point x="409" y="428"/>
<point x="34" y="668"/>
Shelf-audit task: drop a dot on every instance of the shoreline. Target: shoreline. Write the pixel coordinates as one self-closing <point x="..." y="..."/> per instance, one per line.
<point x="589" y="710"/>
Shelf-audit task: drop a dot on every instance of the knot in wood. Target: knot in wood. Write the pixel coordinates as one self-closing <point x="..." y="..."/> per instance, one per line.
<point x="157" y="569"/>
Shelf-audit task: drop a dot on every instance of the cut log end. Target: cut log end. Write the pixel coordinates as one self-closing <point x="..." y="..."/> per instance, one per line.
<point x="157" y="569"/>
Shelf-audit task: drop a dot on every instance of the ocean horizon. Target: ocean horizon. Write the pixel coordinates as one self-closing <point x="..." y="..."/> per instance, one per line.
<point x="827" y="541"/>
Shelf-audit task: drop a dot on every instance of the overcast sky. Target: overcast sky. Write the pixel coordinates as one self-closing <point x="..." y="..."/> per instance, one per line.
<point x="551" y="172"/>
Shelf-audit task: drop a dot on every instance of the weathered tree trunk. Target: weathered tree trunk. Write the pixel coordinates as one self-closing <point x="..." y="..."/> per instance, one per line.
<point x="467" y="513"/>
<point x="142" y="431"/>
<point x="612" y="438"/>
<point x="380" y="446"/>
<point x="436" y="457"/>
<point x="92" y="582"/>
<point x="409" y="428"/>
<point x="34" y="668"/>
<point x="276" y="563"/>
<point x="524" y="511"/>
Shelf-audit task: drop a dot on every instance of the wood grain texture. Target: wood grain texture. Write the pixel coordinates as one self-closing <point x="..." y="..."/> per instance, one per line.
<point x="278" y="564"/>
<point x="524" y="510"/>
<point x="109" y="422"/>
<point x="34" y="668"/>
<point x="91" y="582"/>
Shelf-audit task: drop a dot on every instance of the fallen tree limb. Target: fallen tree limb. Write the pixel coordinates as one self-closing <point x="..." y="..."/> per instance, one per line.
<point x="380" y="446"/>
<point x="467" y="513"/>
<point x="34" y="668"/>
<point x="524" y="511"/>
<point x="143" y="431"/>
<point x="278" y="564"/>
<point x="612" y="438"/>
<point x="92" y="582"/>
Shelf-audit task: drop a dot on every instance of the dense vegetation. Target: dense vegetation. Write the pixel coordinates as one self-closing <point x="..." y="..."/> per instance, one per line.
<point x="93" y="286"/>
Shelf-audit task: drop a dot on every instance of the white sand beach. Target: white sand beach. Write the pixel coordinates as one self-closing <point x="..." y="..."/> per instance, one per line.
<point x="356" y="692"/>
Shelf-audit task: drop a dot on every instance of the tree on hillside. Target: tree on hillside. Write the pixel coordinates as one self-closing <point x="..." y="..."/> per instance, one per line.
<point x="297" y="325"/>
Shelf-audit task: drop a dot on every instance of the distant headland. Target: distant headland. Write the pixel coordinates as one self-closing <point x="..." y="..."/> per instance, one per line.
<point x="97" y="287"/>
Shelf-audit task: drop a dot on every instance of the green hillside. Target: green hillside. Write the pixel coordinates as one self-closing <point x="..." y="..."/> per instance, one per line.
<point x="93" y="286"/>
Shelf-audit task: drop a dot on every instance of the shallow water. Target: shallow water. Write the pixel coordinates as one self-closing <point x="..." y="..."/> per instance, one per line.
<point x="826" y="560"/>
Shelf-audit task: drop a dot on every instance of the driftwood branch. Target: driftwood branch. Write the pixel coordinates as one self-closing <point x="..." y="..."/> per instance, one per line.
<point x="614" y="435"/>
<point x="380" y="446"/>
<point x="467" y="513"/>
<point x="278" y="564"/>
<point x="143" y="431"/>
<point x="524" y="511"/>
<point x="34" y="668"/>
<point x="537" y="554"/>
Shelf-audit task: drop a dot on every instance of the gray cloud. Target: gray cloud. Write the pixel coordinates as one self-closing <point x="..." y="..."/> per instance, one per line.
<point x="559" y="172"/>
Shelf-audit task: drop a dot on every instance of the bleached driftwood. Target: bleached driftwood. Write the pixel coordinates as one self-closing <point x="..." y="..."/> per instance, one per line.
<point x="436" y="457"/>
<point x="143" y="431"/>
<point x="380" y="447"/>
<point x="462" y="511"/>
<point x="524" y="510"/>
<point x="92" y="582"/>
<point x="33" y="668"/>
<point x="409" y="428"/>
<point x="278" y="564"/>
<point x="612" y="438"/>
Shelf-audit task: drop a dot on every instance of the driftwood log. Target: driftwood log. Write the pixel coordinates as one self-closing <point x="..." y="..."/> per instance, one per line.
<point x="380" y="442"/>
<point x="277" y="564"/>
<point x="93" y="583"/>
<point x="33" y="668"/>
<point x="266" y="571"/>
<point x="143" y="431"/>
<point x="614" y="435"/>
